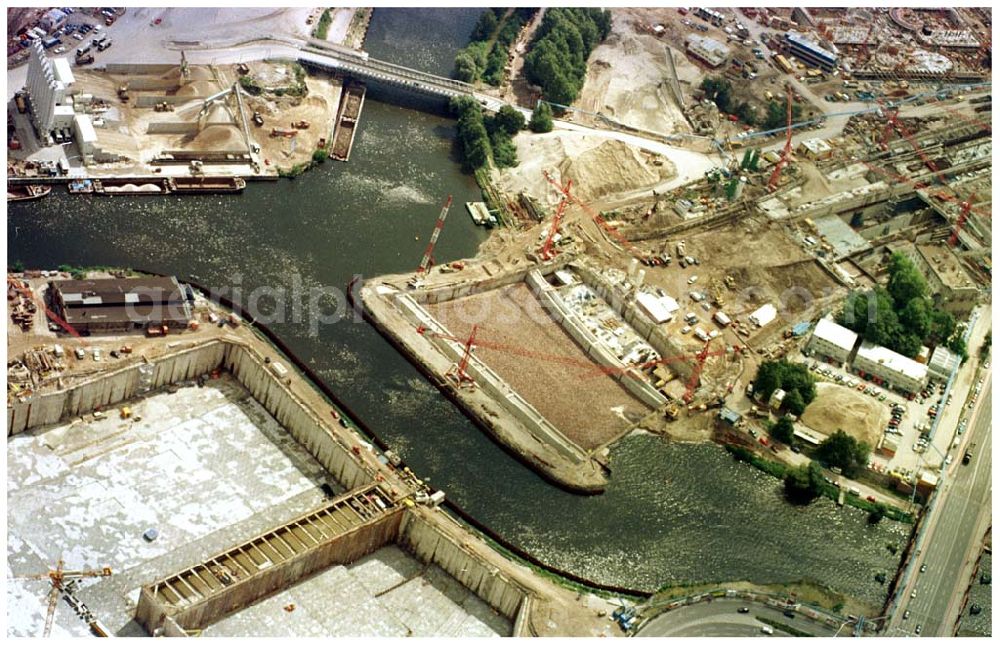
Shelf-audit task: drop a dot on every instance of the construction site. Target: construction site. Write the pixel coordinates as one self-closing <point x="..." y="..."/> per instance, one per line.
<point x="108" y="537"/>
<point x="656" y="286"/>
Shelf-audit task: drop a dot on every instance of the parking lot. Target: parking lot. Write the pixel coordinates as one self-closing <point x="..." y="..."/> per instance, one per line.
<point x="909" y="420"/>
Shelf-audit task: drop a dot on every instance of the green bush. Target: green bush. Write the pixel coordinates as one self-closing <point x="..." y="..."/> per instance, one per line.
<point x="541" y="118"/>
<point x="322" y="26"/>
<point x="319" y="156"/>
<point x="783" y="430"/>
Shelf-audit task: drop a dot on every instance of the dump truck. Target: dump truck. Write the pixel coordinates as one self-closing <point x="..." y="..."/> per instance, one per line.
<point x="257" y="119"/>
<point x="22" y="107"/>
<point x="85" y="60"/>
<point x="302" y="124"/>
<point x="280" y="132"/>
<point x="122" y="89"/>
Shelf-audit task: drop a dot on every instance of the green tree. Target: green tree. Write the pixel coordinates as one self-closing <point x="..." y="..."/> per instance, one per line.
<point x="803" y="483"/>
<point x="877" y="513"/>
<point x="465" y="67"/>
<point x="905" y="280"/>
<point x="794" y="403"/>
<point x="746" y="113"/>
<point x="485" y="26"/>
<point x="319" y="156"/>
<point x="783" y="430"/>
<point x="843" y="451"/>
<point x="915" y="317"/>
<point x="557" y="61"/>
<point x="541" y="118"/>
<point x="718" y="90"/>
<point x="942" y="327"/>
<point x="509" y="119"/>
<point x="957" y="345"/>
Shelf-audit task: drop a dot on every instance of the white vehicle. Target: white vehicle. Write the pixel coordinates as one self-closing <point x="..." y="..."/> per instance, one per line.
<point x="97" y="354"/>
<point x="767" y="629"/>
<point x="692" y="279"/>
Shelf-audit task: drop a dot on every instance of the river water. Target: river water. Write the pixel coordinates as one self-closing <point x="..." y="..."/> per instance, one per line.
<point x="673" y="512"/>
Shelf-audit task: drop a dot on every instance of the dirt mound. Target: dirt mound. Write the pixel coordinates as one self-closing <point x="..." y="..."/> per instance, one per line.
<point x="597" y="166"/>
<point x="219" y="138"/>
<point x="198" y="89"/>
<point x="839" y="407"/>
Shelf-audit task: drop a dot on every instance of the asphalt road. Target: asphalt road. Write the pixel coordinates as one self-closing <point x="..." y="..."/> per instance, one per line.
<point x="961" y="516"/>
<point x="720" y="619"/>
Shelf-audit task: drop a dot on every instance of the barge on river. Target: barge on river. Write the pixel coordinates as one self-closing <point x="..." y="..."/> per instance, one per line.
<point x="17" y="192"/>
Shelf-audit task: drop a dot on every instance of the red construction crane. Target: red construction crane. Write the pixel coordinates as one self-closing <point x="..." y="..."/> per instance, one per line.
<point x="772" y="183"/>
<point x="546" y="252"/>
<point x="426" y="261"/>
<point x="895" y="123"/>
<point x="587" y="367"/>
<point x="699" y="364"/>
<point x="27" y="293"/>
<point x="596" y="217"/>
<point x="58" y="577"/>
<point x="962" y="217"/>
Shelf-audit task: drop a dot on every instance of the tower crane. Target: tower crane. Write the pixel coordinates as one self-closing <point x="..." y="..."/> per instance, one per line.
<point x="546" y="252"/>
<point x="597" y="218"/>
<point x="61" y="583"/>
<point x="699" y="365"/>
<point x="772" y="183"/>
<point x="427" y="260"/>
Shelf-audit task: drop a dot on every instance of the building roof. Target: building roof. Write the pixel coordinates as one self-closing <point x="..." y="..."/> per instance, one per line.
<point x="764" y="314"/>
<point x="816" y="146"/>
<point x="86" y="128"/>
<point x="659" y="308"/>
<point x="63" y="71"/>
<point x="946" y="266"/>
<point x="892" y="360"/>
<point x="814" y="48"/>
<point x="119" y="292"/>
<point x="707" y="48"/>
<point x="840" y="236"/>
<point x="833" y="333"/>
<point x="944" y="361"/>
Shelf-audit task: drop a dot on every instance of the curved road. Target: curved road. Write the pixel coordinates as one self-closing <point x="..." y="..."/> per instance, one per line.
<point x="721" y="619"/>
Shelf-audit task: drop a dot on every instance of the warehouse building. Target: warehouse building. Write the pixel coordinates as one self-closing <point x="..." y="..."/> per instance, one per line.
<point x="121" y="305"/>
<point x="889" y="368"/>
<point x="809" y="52"/>
<point x="832" y="342"/>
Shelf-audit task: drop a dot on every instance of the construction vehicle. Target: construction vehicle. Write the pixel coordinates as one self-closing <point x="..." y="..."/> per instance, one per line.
<point x="281" y="132"/>
<point x="242" y="69"/>
<point x="163" y="106"/>
<point x="321" y="144"/>
<point x="122" y="89"/>
<point x="19" y="100"/>
<point x="257" y="118"/>
<point x="301" y="124"/>
<point x="196" y="167"/>
<point x="85" y="60"/>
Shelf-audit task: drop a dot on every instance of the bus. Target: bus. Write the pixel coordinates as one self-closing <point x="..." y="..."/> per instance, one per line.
<point x="783" y="63"/>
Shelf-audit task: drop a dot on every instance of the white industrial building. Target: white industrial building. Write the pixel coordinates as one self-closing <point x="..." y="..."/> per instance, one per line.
<point x="707" y="50"/>
<point x="660" y="309"/>
<point x="943" y="363"/>
<point x="85" y="135"/>
<point x="832" y="341"/>
<point x="764" y="314"/>
<point x="890" y="368"/>
<point x="49" y="85"/>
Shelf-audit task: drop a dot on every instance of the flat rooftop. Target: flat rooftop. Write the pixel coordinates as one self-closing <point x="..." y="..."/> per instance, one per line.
<point x="386" y="594"/>
<point x="206" y="466"/>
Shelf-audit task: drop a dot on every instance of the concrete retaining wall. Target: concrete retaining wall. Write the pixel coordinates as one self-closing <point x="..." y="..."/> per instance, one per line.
<point x="431" y="543"/>
<point x="150" y="100"/>
<point x="172" y="128"/>
<point x="139" y="68"/>
<point x="643" y="325"/>
<point x="451" y="292"/>
<point x="576" y="329"/>
<point x="116" y="386"/>
<point x="491" y="383"/>
<point x="152" y="83"/>
<point x="343" y="549"/>
<point x="248" y="367"/>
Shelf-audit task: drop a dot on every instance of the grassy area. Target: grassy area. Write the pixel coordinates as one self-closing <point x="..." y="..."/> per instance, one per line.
<point x="803" y="591"/>
<point x="323" y="25"/>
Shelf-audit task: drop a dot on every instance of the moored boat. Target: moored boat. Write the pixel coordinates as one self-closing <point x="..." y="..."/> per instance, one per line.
<point x="16" y="192"/>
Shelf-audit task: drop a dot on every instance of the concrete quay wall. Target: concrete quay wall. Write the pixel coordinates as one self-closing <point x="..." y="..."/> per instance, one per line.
<point x="491" y="383"/>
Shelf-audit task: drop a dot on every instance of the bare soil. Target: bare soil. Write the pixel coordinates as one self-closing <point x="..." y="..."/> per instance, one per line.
<point x="840" y="407"/>
<point x="590" y="408"/>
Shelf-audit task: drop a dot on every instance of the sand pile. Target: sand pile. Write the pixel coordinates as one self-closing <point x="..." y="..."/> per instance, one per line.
<point x="839" y="407"/>
<point x="218" y="138"/>
<point x="597" y="166"/>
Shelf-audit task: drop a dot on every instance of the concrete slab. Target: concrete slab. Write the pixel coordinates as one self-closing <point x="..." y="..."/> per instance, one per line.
<point x="207" y="467"/>
<point x="386" y="594"/>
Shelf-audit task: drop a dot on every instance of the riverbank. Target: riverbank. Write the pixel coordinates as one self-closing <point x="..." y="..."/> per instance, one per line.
<point x="832" y="492"/>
